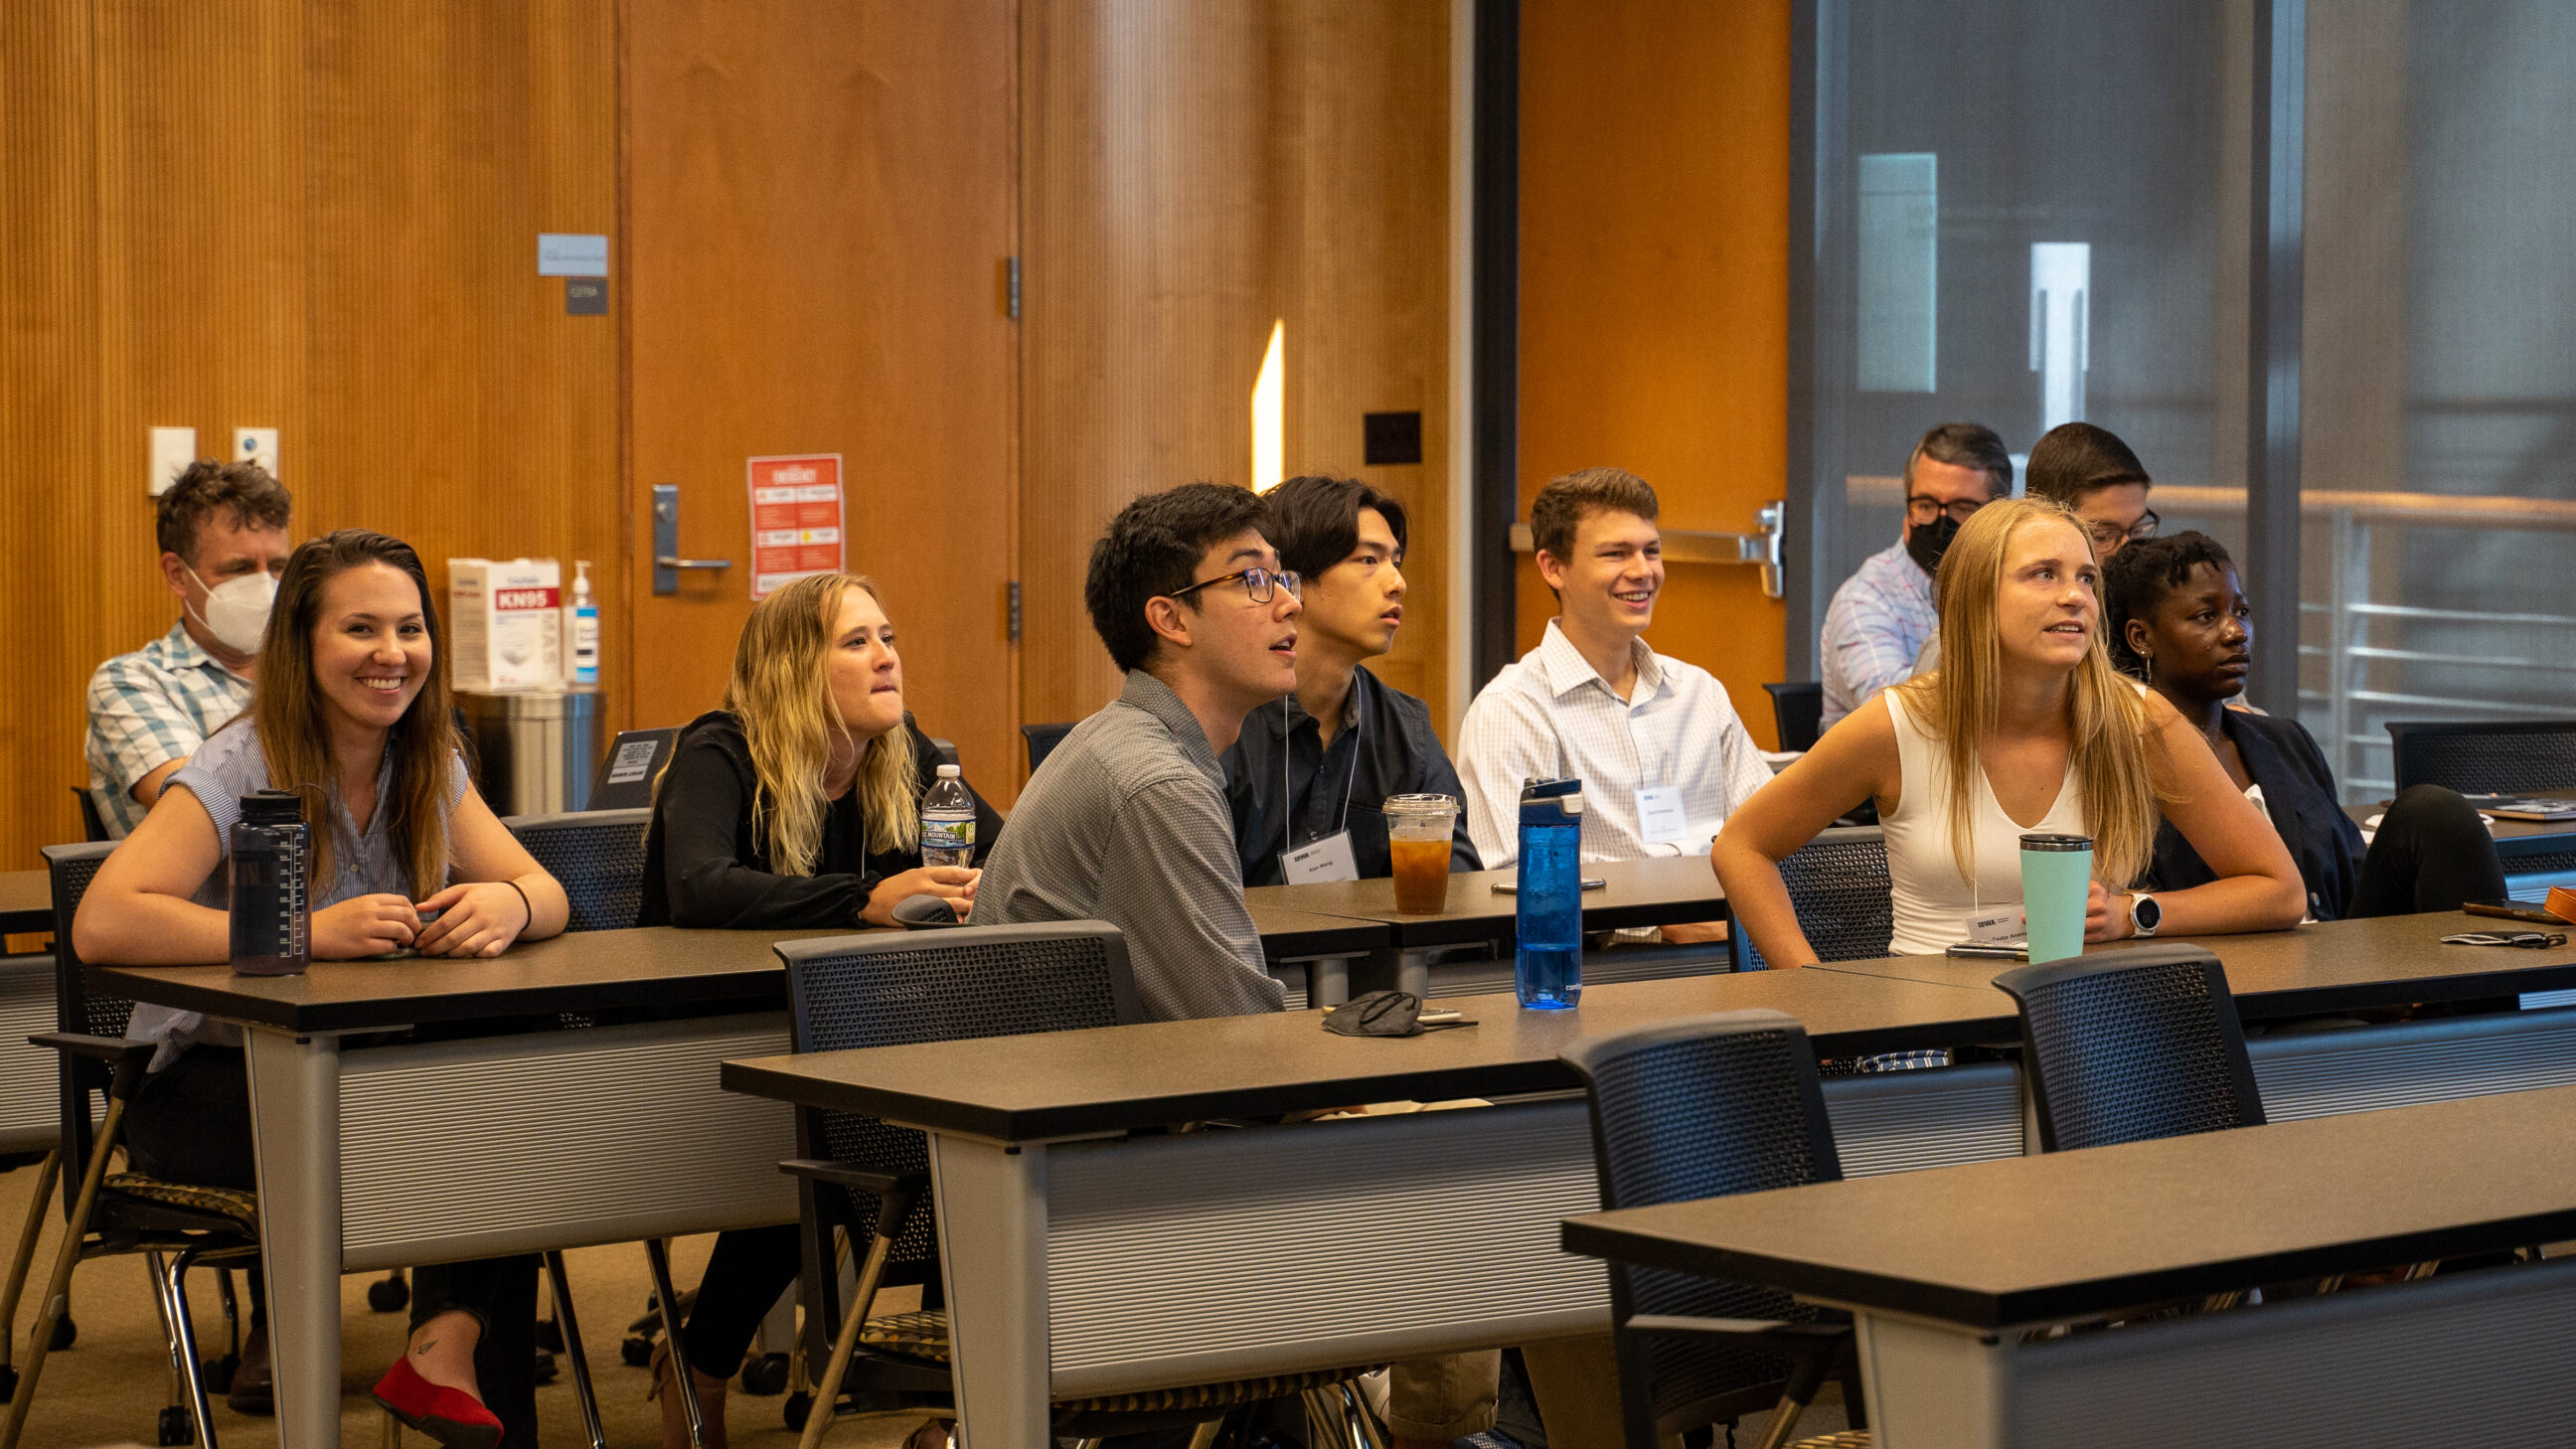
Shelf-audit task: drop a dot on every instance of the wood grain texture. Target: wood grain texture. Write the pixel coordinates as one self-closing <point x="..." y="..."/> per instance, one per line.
<point x="318" y="218"/>
<point x="818" y="199"/>
<point x="1654" y="291"/>
<point x="1192" y="174"/>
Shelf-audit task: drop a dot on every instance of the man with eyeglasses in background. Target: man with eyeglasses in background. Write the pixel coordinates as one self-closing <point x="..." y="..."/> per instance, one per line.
<point x="1881" y="619"/>
<point x="1127" y="821"/>
<point x="2091" y="471"/>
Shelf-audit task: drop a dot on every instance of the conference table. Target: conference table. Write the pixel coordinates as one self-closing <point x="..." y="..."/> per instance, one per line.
<point x="1660" y="891"/>
<point x="26" y="902"/>
<point x="427" y="1110"/>
<point x="1951" y="1274"/>
<point x="1090" y="1249"/>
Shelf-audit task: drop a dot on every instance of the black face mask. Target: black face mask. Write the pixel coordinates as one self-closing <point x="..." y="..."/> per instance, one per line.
<point x="1926" y="542"/>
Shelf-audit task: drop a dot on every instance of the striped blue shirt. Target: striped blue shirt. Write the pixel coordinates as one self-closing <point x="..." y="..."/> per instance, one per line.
<point x="148" y="708"/>
<point x="1879" y="621"/>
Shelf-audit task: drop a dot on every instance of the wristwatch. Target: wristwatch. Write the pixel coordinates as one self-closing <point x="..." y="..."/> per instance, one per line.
<point x="2144" y="915"/>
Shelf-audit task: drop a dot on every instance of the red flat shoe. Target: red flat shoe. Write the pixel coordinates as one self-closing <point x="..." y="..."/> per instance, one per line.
<point x="453" y="1417"/>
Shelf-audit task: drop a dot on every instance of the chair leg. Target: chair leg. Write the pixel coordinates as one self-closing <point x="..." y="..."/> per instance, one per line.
<point x="571" y="1326"/>
<point x="22" y="1259"/>
<point x="183" y="1343"/>
<point x="58" y="1286"/>
<point x="657" y="1252"/>
<point x="827" y="1395"/>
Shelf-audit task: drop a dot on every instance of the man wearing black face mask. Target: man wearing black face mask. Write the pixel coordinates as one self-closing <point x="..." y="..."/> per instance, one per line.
<point x="1882" y="615"/>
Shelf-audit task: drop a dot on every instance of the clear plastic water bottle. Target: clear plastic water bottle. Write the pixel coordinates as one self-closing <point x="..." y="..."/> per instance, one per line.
<point x="272" y="918"/>
<point x="1547" y="963"/>
<point x="948" y="820"/>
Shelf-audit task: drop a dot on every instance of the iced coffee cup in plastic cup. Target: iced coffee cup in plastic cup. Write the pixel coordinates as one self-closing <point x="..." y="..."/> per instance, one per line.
<point x="1417" y="836"/>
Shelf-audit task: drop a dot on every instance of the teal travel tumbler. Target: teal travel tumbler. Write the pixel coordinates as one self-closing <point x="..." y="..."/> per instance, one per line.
<point x="2055" y="869"/>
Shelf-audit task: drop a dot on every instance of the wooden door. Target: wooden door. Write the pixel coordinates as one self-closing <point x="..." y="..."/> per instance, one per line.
<point x="820" y="201"/>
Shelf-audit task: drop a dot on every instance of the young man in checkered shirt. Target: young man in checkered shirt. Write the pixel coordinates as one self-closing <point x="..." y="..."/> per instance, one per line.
<point x="222" y="531"/>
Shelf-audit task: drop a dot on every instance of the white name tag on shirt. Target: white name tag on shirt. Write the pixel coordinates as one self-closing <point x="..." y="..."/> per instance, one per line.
<point x="2003" y="923"/>
<point x="1660" y="816"/>
<point x="1327" y="859"/>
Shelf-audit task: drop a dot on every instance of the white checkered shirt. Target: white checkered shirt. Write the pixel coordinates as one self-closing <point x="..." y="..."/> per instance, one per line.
<point x="1875" y="628"/>
<point x="1550" y="714"/>
<point x="148" y="708"/>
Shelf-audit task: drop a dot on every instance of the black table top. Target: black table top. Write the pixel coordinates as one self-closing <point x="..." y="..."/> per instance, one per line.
<point x="1662" y="891"/>
<point x="2027" y="1240"/>
<point x="2512" y="837"/>
<point x="1288" y="935"/>
<point x="589" y="971"/>
<point x="1112" y="1079"/>
<point x="2326" y="967"/>
<point x="26" y="902"/>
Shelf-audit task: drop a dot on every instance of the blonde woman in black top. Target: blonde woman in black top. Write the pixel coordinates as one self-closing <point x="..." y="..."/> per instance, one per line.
<point x="798" y="804"/>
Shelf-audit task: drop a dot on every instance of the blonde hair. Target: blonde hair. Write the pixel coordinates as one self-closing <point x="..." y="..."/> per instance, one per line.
<point x="1961" y="702"/>
<point x="781" y="691"/>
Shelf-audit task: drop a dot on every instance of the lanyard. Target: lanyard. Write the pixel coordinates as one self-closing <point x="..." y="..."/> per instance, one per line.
<point x="1288" y="790"/>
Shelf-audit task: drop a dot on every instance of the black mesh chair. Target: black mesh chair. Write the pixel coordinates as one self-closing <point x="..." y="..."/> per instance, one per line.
<point x="1797" y="712"/>
<point x="1043" y="738"/>
<point x="2131" y="1046"/>
<point x="175" y="1226"/>
<point x="93" y="825"/>
<point x="597" y="856"/>
<point x="1710" y="1106"/>
<point x="861" y="1176"/>
<point x="2513" y="757"/>
<point x="1838" y="882"/>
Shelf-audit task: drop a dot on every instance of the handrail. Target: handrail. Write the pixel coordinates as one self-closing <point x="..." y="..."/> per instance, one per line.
<point x="2455" y="510"/>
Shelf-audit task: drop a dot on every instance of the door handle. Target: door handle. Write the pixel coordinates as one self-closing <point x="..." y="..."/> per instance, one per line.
<point x="667" y="561"/>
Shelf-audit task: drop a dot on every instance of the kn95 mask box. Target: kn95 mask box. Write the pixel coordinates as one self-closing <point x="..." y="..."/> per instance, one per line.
<point x="504" y="623"/>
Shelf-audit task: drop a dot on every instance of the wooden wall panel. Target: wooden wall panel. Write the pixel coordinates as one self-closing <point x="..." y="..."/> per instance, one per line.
<point x="49" y="399"/>
<point x="1654" y="291"/>
<point x="317" y="217"/>
<point x="820" y="199"/>
<point x="452" y="401"/>
<point x="1194" y="173"/>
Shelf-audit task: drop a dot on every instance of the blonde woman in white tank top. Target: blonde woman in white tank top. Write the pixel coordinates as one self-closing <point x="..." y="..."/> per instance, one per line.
<point x="2057" y="742"/>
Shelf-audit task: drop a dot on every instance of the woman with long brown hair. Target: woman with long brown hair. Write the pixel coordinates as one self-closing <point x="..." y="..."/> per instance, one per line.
<point x="2025" y="727"/>
<point x="351" y="714"/>
<point x="798" y="804"/>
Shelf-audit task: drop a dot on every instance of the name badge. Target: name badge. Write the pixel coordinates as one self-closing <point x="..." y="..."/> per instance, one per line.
<point x="1327" y="859"/>
<point x="1660" y="816"/>
<point x="1999" y="926"/>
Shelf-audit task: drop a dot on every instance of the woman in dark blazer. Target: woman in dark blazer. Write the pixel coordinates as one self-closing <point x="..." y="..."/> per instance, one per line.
<point x="2179" y="621"/>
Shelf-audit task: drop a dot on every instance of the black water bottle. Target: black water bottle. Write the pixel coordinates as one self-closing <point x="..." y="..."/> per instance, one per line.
<point x="271" y="916"/>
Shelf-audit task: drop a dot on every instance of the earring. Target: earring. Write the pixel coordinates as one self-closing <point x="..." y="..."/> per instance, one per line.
<point x="2149" y="660"/>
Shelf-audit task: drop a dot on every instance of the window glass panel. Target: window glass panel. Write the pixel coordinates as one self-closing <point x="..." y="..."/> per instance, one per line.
<point x="2439" y="388"/>
<point x="2043" y="197"/>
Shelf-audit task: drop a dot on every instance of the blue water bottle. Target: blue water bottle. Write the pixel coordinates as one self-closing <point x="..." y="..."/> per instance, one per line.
<point x="1547" y="966"/>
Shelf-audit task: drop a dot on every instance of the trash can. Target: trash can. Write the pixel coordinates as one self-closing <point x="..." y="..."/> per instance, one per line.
<point x="535" y="749"/>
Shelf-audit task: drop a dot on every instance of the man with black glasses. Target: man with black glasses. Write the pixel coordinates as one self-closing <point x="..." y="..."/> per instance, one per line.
<point x="2091" y="471"/>
<point x="1881" y="619"/>
<point x="1127" y="820"/>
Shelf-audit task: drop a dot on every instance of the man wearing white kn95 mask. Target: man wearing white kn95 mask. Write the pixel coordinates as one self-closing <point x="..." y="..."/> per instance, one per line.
<point x="222" y="531"/>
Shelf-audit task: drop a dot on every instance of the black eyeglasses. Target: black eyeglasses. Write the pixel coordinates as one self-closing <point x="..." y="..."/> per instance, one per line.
<point x="2139" y="532"/>
<point x="1923" y="507"/>
<point x="1262" y="584"/>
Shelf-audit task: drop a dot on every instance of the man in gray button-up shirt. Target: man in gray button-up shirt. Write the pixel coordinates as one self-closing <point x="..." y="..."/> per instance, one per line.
<point x="1127" y="821"/>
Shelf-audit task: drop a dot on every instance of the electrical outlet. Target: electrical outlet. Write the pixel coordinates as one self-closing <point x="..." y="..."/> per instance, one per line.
<point x="256" y="445"/>
<point x="173" y="449"/>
